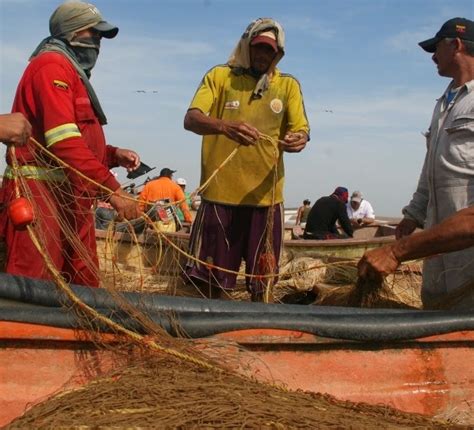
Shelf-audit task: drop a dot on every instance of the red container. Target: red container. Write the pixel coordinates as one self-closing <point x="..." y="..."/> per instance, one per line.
<point x="20" y="212"/>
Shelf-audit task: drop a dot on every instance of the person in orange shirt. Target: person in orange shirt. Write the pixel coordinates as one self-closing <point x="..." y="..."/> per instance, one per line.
<point x="165" y="188"/>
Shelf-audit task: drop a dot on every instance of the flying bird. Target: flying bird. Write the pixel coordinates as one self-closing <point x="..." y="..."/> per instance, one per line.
<point x="146" y="91"/>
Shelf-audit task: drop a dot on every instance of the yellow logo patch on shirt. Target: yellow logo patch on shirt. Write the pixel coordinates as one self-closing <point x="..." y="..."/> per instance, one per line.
<point x="234" y="104"/>
<point x="60" y="84"/>
<point x="276" y="105"/>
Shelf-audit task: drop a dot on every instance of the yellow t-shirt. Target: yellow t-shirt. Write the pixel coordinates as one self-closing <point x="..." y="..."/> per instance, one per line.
<point x="255" y="175"/>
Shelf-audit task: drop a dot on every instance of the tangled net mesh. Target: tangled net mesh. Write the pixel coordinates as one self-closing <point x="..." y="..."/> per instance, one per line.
<point x="155" y="380"/>
<point x="178" y="394"/>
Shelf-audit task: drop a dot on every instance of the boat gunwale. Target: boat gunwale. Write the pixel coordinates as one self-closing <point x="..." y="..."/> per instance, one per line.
<point x="16" y="331"/>
<point x="152" y="239"/>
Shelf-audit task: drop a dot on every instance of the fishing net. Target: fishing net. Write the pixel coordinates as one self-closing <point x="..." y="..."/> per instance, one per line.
<point x="177" y="394"/>
<point x="400" y="290"/>
<point x="335" y="283"/>
<point x="161" y="381"/>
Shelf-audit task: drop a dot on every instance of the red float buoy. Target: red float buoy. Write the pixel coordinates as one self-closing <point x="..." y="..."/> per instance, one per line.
<point x="20" y="212"/>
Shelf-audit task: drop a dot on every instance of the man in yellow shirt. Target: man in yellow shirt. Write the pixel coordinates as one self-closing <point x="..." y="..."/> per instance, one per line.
<point x="247" y="106"/>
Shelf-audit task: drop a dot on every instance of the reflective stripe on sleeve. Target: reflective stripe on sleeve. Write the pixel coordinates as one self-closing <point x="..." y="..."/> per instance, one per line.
<point x="61" y="132"/>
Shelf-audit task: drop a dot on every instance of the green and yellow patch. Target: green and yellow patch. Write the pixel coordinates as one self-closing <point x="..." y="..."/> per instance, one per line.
<point x="60" y="84"/>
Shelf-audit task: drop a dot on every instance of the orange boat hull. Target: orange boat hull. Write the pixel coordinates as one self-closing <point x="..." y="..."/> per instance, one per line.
<point x="431" y="376"/>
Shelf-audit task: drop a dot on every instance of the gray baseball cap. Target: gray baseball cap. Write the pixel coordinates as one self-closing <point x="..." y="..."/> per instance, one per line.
<point x="74" y="16"/>
<point x="356" y="196"/>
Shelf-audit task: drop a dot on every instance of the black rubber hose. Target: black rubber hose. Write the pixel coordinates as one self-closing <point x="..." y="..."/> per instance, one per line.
<point x="45" y="293"/>
<point x="375" y="327"/>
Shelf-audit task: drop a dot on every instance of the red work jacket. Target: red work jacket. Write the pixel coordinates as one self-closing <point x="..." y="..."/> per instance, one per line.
<point x="54" y="99"/>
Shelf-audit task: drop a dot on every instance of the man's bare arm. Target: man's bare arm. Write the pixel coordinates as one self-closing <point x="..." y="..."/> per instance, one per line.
<point x="453" y="234"/>
<point x="202" y="124"/>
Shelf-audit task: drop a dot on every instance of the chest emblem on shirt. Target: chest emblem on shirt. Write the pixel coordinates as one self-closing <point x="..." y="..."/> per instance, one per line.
<point x="60" y="84"/>
<point x="234" y="104"/>
<point x="276" y="105"/>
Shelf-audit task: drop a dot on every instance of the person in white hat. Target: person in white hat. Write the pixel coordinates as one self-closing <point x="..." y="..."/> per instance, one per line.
<point x="182" y="183"/>
<point x="359" y="210"/>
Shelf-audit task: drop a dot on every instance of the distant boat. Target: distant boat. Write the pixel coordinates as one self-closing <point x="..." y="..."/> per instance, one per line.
<point x="365" y="238"/>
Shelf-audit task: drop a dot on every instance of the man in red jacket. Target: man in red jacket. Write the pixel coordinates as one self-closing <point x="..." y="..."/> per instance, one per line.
<point x="58" y="100"/>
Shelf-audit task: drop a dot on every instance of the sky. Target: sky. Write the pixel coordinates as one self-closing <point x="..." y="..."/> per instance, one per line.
<point x="368" y="88"/>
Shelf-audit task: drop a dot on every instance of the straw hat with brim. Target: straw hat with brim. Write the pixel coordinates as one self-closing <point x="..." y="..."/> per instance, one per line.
<point x="75" y="16"/>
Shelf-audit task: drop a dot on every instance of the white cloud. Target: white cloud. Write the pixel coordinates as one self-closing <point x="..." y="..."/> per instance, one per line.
<point x="13" y="54"/>
<point x="373" y="143"/>
<point x="16" y="2"/>
<point x="391" y="108"/>
<point x="407" y="40"/>
<point x="146" y="63"/>
<point x="309" y="26"/>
